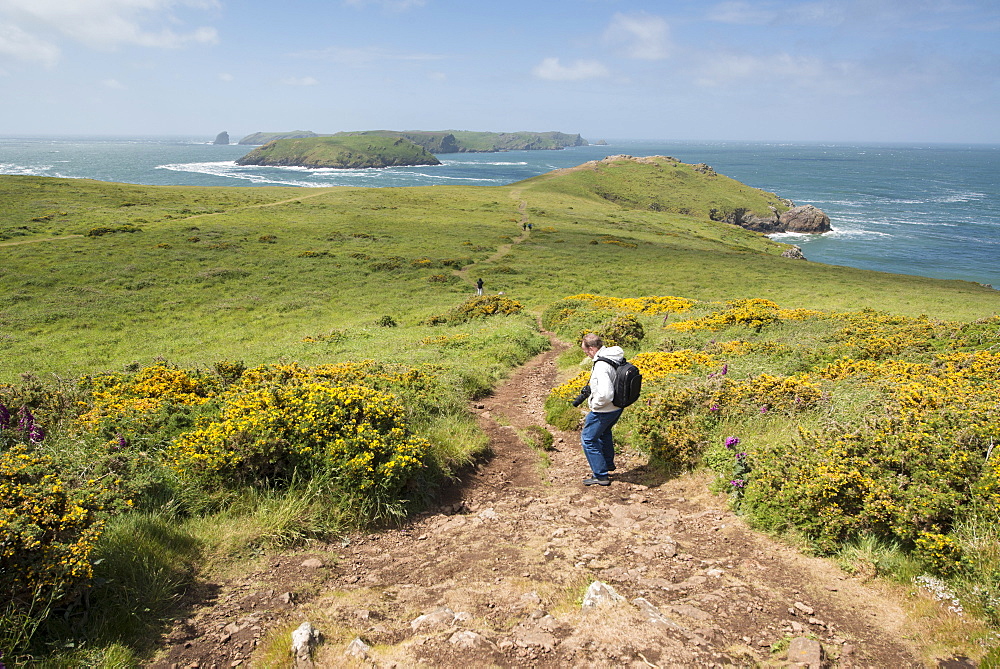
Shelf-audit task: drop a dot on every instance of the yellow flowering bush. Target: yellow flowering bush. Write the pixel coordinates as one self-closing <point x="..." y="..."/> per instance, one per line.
<point x="47" y="530"/>
<point x="649" y="305"/>
<point x="754" y="314"/>
<point x="766" y="392"/>
<point x="658" y="365"/>
<point x="144" y="402"/>
<point x="479" y="306"/>
<point x="353" y="433"/>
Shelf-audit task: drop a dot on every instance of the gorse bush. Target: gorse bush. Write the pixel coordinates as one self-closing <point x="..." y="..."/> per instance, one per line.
<point x="479" y="306"/>
<point x="355" y="435"/>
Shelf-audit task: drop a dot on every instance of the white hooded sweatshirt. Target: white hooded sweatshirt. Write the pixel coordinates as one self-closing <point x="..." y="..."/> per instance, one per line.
<point x="602" y="380"/>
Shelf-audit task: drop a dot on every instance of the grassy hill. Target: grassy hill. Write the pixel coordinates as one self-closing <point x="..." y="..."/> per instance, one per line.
<point x="347" y="152"/>
<point x="214" y="372"/>
<point x="213" y="273"/>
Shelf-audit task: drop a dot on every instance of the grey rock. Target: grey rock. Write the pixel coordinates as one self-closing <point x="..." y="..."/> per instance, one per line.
<point x="358" y="648"/>
<point x="806" y="652"/>
<point x="469" y="640"/>
<point x="222" y="138"/>
<point x="304" y="639"/>
<point x="442" y="617"/>
<point x="600" y="594"/>
<point x="805" y="218"/>
<point x="795" y="253"/>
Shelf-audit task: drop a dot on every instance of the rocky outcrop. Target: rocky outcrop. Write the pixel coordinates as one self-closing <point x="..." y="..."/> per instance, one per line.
<point x="795" y="253"/>
<point x="806" y="218"/>
<point x="222" y="138"/>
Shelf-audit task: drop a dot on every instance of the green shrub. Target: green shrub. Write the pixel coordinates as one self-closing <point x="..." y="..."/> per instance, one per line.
<point x="624" y="330"/>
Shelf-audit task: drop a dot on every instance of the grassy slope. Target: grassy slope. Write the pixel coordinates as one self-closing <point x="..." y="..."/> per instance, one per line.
<point x="342" y="151"/>
<point x="197" y="285"/>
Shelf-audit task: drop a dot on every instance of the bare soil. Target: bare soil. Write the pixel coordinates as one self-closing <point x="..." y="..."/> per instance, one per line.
<point x="503" y="563"/>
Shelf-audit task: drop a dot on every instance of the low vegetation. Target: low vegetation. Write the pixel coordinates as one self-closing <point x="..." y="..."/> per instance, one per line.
<point x="252" y="368"/>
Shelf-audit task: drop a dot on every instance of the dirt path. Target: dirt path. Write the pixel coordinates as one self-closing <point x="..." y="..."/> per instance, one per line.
<point x="465" y="273"/>
<point x="502" y="564"/>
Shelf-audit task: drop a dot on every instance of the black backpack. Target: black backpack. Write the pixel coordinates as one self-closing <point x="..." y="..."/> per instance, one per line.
<point x="628" y="382"/>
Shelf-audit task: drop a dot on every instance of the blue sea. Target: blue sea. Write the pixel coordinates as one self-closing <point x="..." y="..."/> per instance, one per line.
<point x="931" y="210"/>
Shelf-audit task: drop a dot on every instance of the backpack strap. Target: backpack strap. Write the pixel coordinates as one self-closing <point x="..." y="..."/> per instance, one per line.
<point x="614" y="365"/>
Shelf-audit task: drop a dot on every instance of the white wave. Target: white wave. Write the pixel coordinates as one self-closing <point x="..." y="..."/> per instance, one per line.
<point x="230" y="170"/>
<point x="476" y="162"/>
<point x="25" y="171"/>
<point x="967" y="196"/>
<point x="837" y="233"/>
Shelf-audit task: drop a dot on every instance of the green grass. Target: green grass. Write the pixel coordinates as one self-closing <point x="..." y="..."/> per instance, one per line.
<point x="197" y="284"/>
<point x="317" y="275"/>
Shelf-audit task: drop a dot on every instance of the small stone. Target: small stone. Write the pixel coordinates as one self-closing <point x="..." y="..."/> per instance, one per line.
<point x="803" y="608"/>
<point x="357" y="648"/>
<point x="441" y="617"/>
<point x="467" y="639"/>
<point x="600" y="594"/>
<point x="312" y="563"/>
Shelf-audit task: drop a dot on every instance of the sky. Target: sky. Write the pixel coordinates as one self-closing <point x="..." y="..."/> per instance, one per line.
<point x="755" y="70"/>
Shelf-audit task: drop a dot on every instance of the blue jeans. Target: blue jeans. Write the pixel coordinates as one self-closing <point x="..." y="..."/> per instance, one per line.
<point x="598" y="442"/>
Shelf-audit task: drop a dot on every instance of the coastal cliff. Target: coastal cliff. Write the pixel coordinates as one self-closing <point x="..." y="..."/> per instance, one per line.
<point x="662" y="183"/>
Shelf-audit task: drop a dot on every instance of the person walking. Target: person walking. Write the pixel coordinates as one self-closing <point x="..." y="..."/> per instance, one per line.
<point x="479" y="286"/>
<point x="596" y="437"/>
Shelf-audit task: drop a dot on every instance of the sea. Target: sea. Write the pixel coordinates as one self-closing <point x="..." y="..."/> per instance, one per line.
<point x="925" y="209"/>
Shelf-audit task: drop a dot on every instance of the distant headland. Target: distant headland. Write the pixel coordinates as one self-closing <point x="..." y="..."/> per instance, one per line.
<point x="340" y="152"/>
<point x="444" y="141"/>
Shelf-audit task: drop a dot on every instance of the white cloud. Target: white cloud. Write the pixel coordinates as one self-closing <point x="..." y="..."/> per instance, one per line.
<point x="756" y="75"/>
<point x="299" y="81"/>
<point x="552" y="70"/>
<point x="32" y="29"/>
<point x="225" y="76"/>
<point x="20" y="45"/>
<point x="642" y="36"/>
<point x="113" y="84"/>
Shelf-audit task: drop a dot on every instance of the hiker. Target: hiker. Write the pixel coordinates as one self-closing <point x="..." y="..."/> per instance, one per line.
<point x="479" y="286"/>
<point x="598" y="442"/>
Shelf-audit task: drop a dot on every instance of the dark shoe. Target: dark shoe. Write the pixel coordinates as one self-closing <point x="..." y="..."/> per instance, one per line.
<point x="593" y="480"/>
<point x="611" y="467"/>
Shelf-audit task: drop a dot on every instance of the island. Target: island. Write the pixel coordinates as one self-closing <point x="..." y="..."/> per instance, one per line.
<point x="262" y="138"/>
<point x="446" y="141"/>
<point x="343" y="152"/>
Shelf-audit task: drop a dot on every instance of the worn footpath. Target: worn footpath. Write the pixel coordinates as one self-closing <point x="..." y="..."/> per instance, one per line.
<point x="502" y="573"/>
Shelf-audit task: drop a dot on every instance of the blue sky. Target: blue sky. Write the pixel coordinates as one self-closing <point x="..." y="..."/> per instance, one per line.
<point x="826" y="70"/>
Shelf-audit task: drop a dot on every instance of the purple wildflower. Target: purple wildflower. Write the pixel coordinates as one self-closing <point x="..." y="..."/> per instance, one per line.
<point x="25" y="420"/>
<point x="714" y="407"/>
<point x="122" y="441"/>
<point x="731" y="442"/>
<point x="741" y="456"/>
<point x="37" y="434"/>
<point x="4" y="416"/>
<point x="738" y="483"/>
<point x="725" y="369"/>
<point x="763" y="408"/>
